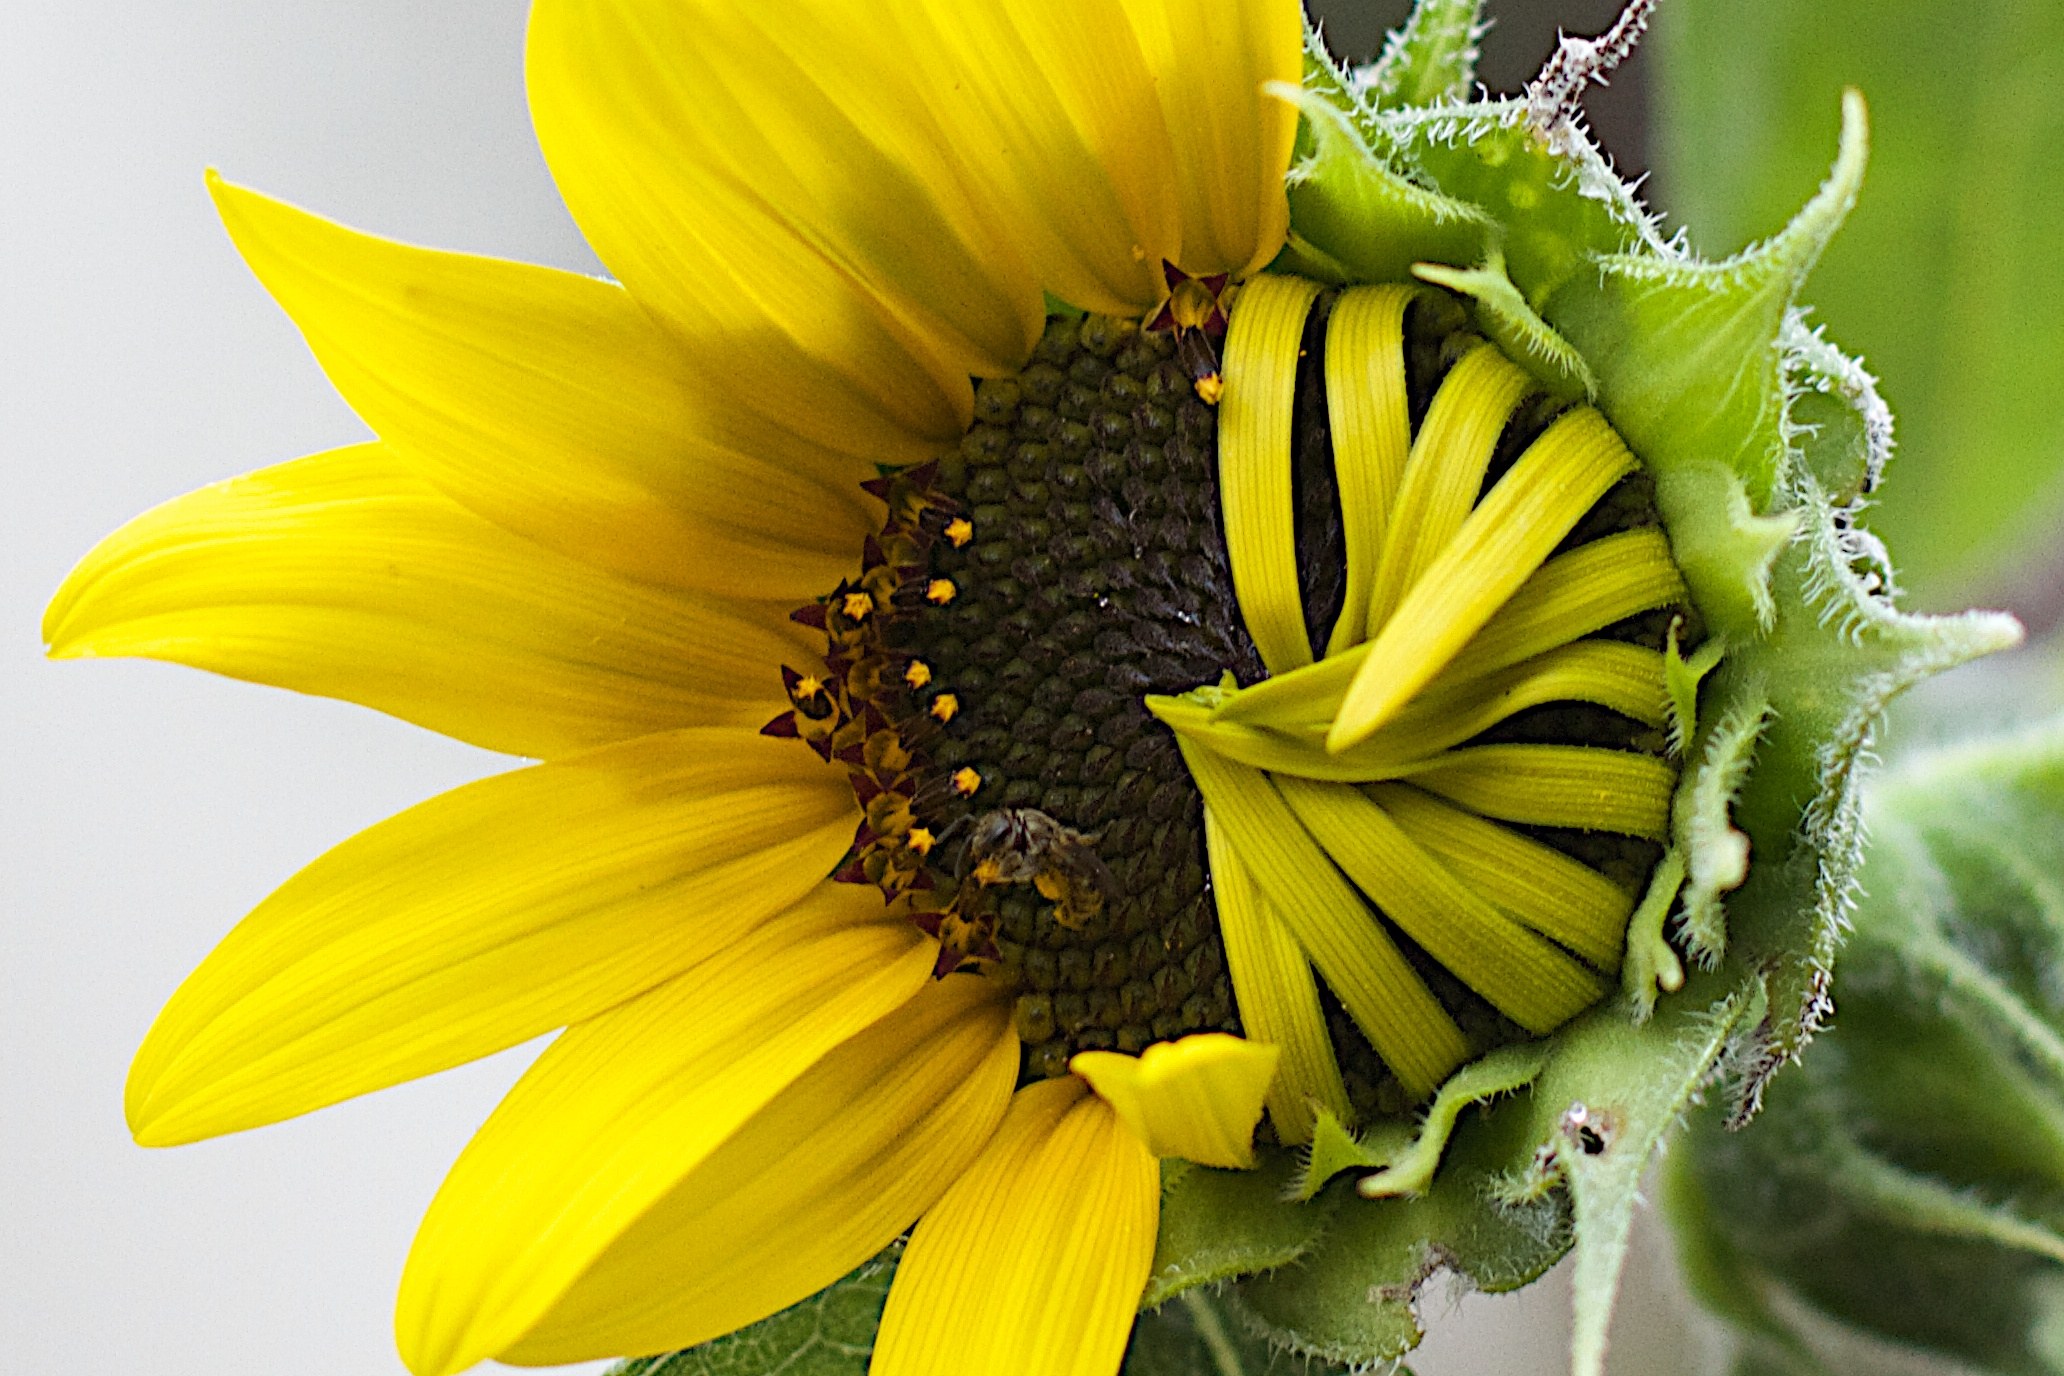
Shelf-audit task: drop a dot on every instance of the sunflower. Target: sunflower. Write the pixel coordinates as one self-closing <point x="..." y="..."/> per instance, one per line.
<point x="989" y="643"/>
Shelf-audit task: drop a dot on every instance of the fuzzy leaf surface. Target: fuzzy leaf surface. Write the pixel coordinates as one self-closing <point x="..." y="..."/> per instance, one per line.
<point x="1906" y="1182"/>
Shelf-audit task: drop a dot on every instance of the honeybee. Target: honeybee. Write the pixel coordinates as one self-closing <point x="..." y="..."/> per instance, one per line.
<point x="1022" y="845"/>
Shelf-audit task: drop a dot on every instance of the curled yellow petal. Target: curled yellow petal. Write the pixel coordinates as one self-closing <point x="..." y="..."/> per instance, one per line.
<point x="1198" y="1098"/>
<point x="1577" y="786"/>
<point x="1524" y="977"/>
<point x="1034" y="1261"/>
<point x="1277" y="996"/>
<point x="1369" y="412"/>
<point x="1444" y="472"/>
<point x="346" y="574"/>
<point x="1542" y="887"/>
<point x="1254" y="473"/>
<point x="1570" y="596"/>
<point x="1625" y="678"/>
<point x="1360" y="963"/>
<point x="1496" y="548"/>
<point x="1573" y="595"/>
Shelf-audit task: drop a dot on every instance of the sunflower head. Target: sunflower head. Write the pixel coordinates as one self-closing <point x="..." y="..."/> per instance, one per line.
<point x="1099" y="592"/>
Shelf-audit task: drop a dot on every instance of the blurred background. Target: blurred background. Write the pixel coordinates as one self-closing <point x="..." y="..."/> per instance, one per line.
<point x="146" y="807"/>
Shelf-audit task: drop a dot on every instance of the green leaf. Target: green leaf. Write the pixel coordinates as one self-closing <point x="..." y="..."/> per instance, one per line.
<point x="1907" y="1181"/>
<point x="829" y="1334"/>
<point x="1946" y="278"/>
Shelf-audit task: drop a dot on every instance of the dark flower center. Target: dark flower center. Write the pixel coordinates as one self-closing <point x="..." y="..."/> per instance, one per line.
<point x="985" y="674"/>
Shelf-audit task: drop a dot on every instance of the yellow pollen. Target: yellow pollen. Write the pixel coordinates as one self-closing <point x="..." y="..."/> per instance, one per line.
<point x="945" y="707"/>
<point x="921" y="840"/>
<point x="960" y="530"/>
<point x="809" y="686"/>
<point x="966" y="780"/>
<point x="940" y="591"/>
<point x="857" y="605"/>
<point x="989" y="872"/>
<point x="1210" y="388"/>
<point x="918" y="674"/>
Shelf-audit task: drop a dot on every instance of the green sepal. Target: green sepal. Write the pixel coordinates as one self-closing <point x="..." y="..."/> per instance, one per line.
<point x="1403" y="1161"/>
<point x="1947" y="274"/>
<point x="1651" y="966"/>
<point x="1503" y="314"/>
<point x="1504" y="1071"/>
<point x="1905" y="1184"/>
<point x="1217" y="1224"/>
<point x="1681" y="679"/>
<point x="1368" y="222"/>
<point x="829" y="1334"/>
<point x="1428" y="60"/>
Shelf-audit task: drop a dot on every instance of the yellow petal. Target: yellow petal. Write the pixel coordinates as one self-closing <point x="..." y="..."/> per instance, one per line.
<point x="1198" y="1098"/>
<point x="1051" y="113"/>
<point x="488" y="915"/>
<point x="1570" y="596"/>
<point x="822" y="1178"/>
<point x="622" y="1107"/>
<point x="553" y="406"/>
<point x="1445" y="471"/>
<point x="1524" y="976"/>
<point x="1500" y="544"/>
<point x="1210" y="60"/>
<point x="1034" y="1262"/>
<point x="1369" y="412"/>
<point x="1625" y="678"/>
<point x="740" y="204"/>
<point x="1360" y="963"/>
<point x="346" y="574"/>
<point x="1573" y="595"/>
<point x="1256" y="491"/>
<point x="1557" y="786"/>
<point x="1542" y="887"/>
<point x="1277" y="996"/>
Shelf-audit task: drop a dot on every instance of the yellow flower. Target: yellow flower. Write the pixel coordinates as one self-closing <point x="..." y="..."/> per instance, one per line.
<point x="605" y="519"/>
<point x="589" y="511"/>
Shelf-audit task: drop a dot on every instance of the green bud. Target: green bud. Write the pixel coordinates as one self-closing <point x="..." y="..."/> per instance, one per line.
<point x="1762" y="438"/>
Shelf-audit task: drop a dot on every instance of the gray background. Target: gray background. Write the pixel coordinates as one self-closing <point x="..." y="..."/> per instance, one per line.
<point x="144" y="806"/>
